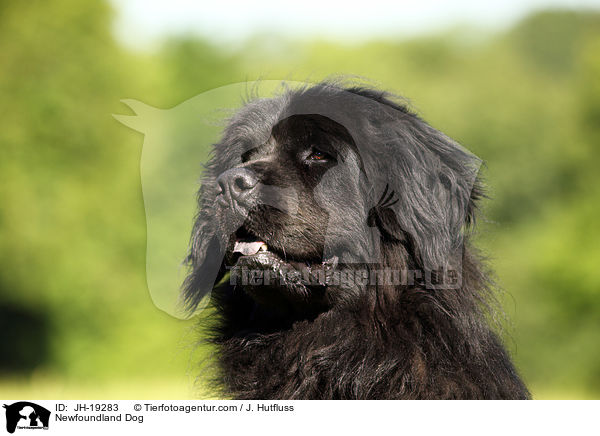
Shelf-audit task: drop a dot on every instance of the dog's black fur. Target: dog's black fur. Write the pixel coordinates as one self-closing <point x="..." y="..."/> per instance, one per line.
<point x="361" y="182"/>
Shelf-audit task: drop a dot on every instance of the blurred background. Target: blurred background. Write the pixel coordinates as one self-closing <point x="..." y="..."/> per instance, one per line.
<point x="518" y="84"/>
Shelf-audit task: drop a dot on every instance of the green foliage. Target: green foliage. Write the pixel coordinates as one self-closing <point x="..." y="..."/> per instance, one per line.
<point x="72" y="227"/>
<point x="552" y="40"/>
<point x="72" y="222"/>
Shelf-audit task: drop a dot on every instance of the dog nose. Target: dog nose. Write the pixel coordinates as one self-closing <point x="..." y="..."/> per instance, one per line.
<point x="236" y="182"/>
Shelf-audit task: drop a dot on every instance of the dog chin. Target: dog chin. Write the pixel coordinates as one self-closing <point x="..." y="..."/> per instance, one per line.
<point x="280" y="284"/>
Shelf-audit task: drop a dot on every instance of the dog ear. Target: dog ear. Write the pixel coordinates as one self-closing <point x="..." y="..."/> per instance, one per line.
<point x="206" y="249"/>
<point x="428" y="191"/>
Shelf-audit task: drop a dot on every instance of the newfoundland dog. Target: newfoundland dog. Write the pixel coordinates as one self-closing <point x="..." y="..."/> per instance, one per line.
<point x="333" y="234"/>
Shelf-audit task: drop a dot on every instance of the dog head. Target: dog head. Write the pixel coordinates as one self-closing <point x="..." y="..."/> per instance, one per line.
<point x="325" y="176"/>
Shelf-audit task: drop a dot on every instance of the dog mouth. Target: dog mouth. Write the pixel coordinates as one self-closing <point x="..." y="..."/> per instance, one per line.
<point x="275" y="280"/>
<point x="247" y="248"/>
<point x="246" y="243"/>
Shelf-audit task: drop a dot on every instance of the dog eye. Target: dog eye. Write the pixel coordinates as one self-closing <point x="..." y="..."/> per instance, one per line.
<point x="318" y="155"/>
<point x="247" y="154"/>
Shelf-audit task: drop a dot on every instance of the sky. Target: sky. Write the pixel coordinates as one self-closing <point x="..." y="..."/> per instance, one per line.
<point x="142" y="23"/>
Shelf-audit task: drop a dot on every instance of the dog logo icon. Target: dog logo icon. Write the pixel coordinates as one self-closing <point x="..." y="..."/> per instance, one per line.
<point x="26" y="415"/>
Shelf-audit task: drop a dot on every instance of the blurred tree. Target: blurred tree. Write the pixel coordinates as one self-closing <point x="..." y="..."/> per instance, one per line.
<point x="552" y="39"/>
<point x="193" y="66"/>
<point x="72" y="233"/>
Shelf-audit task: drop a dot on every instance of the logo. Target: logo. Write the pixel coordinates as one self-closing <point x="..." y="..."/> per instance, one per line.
<point x="26" y="415"/>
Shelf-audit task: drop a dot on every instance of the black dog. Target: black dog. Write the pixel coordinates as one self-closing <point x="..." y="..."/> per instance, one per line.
<point x="333" y="227"/>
